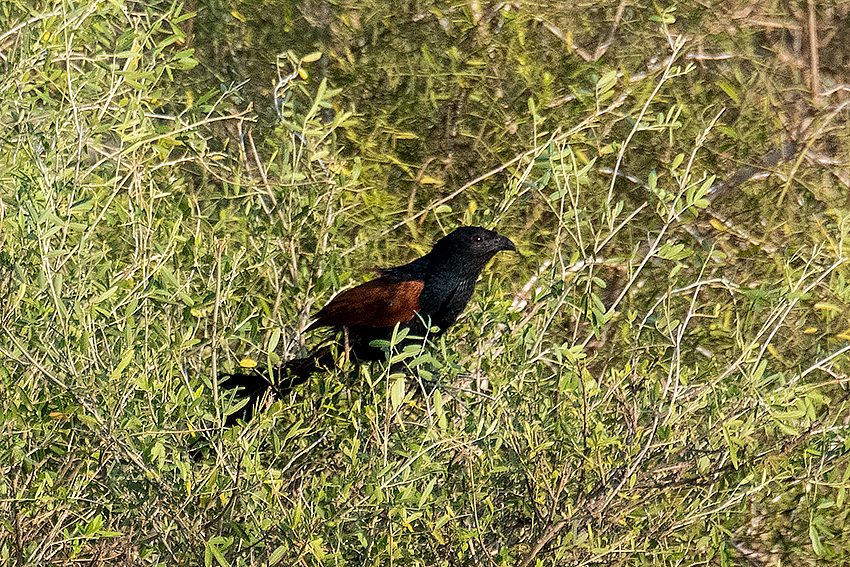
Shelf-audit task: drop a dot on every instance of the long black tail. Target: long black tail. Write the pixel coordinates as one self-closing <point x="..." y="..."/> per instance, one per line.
<point x="255" y="384"/>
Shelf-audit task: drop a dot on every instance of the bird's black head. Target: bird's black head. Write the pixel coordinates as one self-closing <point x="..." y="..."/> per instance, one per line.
<point x="473" y="242"/>
<point x="458" y="256"/>
<point x="467" y="250"/>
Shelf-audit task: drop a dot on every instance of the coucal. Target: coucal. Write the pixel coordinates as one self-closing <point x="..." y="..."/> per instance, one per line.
<point x="430" y="291"/>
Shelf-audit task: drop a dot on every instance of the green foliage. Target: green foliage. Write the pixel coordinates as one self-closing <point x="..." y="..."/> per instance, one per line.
<point x="658" y="378"/>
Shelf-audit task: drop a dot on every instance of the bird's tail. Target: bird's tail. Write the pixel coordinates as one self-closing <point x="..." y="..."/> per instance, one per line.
<point x="255" y="384"/>
<point x="296" y="371"/>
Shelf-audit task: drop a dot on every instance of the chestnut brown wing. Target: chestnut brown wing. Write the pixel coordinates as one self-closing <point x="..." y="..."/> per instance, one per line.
<point x="378" y="303"/>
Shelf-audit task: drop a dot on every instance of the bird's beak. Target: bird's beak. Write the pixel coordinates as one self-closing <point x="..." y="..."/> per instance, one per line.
<point x="505" y="244"/>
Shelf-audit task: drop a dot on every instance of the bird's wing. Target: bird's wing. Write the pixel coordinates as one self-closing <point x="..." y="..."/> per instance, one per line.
<point x="378" y="303"/>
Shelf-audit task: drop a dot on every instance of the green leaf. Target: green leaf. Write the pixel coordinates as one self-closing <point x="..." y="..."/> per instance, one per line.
<point x="274" y="339"/>
<point x="397" y="392"/>
<point x="277" y="554"/>
<point x="814" y="537"/>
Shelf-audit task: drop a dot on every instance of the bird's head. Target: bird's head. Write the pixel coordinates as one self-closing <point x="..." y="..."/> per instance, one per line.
<point x="475" y="240"/>
<point x="471" y="247"/>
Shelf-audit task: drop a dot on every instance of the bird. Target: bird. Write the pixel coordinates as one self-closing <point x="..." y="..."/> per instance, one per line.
<point x="431" y="291"/>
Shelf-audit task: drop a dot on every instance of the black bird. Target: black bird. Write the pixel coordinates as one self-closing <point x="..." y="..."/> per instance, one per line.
<point x="430" y="291"/>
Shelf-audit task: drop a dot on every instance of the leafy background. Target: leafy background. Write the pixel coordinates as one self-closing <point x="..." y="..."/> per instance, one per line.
<point x="658" y="377"/>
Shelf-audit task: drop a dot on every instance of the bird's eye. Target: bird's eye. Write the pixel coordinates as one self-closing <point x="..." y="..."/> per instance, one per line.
<point x="477" y="238"/>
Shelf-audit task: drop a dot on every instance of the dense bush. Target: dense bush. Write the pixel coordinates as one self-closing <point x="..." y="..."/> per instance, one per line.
<point x="659" y="377"/>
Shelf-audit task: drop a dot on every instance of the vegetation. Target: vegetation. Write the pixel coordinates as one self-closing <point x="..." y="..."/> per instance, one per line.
<point x="659" y="377"/>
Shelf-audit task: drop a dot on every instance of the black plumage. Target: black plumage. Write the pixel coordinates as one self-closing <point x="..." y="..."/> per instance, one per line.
<point x="430" y="291"/>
